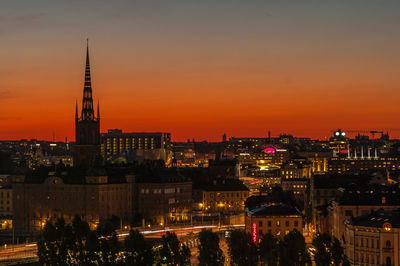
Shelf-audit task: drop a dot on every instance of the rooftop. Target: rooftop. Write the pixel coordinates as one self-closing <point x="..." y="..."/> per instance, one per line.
<point x="279" y="209"/>
<point x="371" y="196"/>
<point x="224" y="185"/>
<point x="377" y="219"/>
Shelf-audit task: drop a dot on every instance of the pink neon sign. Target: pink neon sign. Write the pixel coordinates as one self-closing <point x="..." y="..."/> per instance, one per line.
<point x="269" y="150"/>
<point x="254" y="232"/>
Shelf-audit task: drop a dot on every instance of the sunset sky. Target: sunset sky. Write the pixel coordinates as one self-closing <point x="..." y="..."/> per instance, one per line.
<point x="201" y="68"/>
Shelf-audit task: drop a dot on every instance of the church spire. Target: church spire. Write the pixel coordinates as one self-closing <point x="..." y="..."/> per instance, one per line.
<point x="98" y="110"/>
<point x="76" y="110"/>
<point x="87" y="103"/>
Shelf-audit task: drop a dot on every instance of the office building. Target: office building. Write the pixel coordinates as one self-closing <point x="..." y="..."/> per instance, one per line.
<point x="136" y="146"/>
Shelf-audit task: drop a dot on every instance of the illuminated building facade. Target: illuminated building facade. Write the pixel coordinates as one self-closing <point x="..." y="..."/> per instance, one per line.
<point x="6" y="207"/>
<point x="319" y="160"/>
<point x="163" y="200"/>
<point x="136" y="146"/>
<point x="184" y="154"/>
<point x="276" y="219"/>
<point x="269" y="158"/>
<point x="245" y="143"/>
<point x="296" y="170"/>
<point x="285" y="139"/>
<point x="223" y="196"/>
<point x="94" y="199"/>
<point x="339" y="142"/>
<point x="373" y="239"/>
<point x="343" y="165"/>
<point x="355" y="203"/>
<point x="298" y="186"/>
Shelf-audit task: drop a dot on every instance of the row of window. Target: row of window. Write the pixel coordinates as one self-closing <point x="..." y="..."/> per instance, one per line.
<point x="370" y="259"/>
<point x="225" y="202"/>
<point x="132" y="139"/>
<point x="269" y="231"/>
<point x="159" y="190"/>
<point x="2" y="195"/>
<point x="228" y="194"/>
<point x="370" y="243"/>
<point x="278" y="223"/>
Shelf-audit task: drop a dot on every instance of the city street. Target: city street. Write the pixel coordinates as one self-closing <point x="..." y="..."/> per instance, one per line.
<point x="185" y="234"/>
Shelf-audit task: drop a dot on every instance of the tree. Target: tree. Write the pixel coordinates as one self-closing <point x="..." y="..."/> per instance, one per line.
<point x="115" y="221"/>
<point x="293" y="250"/>
<point x="337" y="250"/>
<point x="242" y="250"/>
<point x="322" y="244"/>
<point x="108" y="243"/>
<point x="172" y="252"/>
<point x="63" y="244"/>
<point x="92" y="248"/>
<point x="268" y="250"/>
<point x="139" y="252"/>
<point x="55" y="242"/>
<point x="210" y="252"/>
<point x="329" y="251"/>
<point x="80" y="231"/>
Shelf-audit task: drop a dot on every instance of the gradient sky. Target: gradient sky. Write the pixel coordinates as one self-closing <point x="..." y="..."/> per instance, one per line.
<point x="199" y="68"/>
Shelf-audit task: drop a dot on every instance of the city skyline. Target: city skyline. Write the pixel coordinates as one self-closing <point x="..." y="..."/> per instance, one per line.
<point x="302" y="69"/>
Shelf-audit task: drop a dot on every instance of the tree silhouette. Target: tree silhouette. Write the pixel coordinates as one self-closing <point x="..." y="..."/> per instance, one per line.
<point x="55" y="242"/>
<point x="329" y="251"/>
<point x="242" y="249"/>
<point x="210" y="252"/>
<point x="268" y="250"/>
<point x="139" y="252"/>
<point x="293" y="250"/>
<point x="172" y="252"/>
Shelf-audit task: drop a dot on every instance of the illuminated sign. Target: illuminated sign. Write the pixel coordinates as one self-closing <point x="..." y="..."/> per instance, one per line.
<point x="254" y="232"/>
<point x="269" y="150"/>
<point x="387" y="226"/>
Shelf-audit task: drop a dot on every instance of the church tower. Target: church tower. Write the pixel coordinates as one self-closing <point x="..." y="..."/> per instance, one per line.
<point x="87" y="126"/>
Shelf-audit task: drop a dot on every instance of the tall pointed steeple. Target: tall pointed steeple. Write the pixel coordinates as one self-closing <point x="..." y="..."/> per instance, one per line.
<point x="76" y="110"/>
<point x="87" y="127"/>
<point x="98" y="110"/>
<point x="87" y="102"/>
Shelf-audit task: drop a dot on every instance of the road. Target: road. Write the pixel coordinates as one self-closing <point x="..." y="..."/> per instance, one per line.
<point x="185" y="234"/>
<point x="18" y="252"/>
